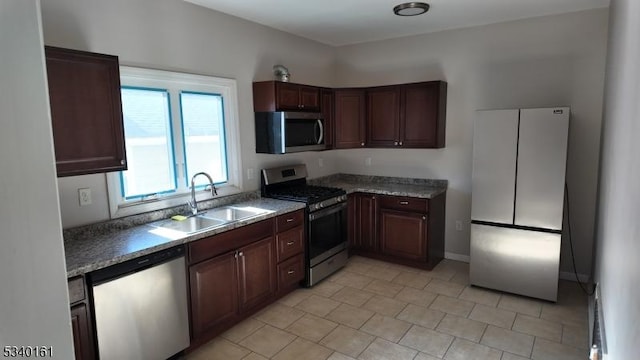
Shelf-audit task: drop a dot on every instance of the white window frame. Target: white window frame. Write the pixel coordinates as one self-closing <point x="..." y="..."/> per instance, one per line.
<point x="175" y="82"/>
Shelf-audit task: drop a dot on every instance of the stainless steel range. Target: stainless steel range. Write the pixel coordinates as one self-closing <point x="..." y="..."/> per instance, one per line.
<point x="326" y="218"/>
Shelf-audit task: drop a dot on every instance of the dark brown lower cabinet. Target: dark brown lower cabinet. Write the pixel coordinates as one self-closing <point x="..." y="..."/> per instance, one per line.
<point x="257" y="273"/>
<point x="225" y="287"/>
<point x="403" y="234"/>
<point x="236" y="273"/>
<point x="290" y="241"/>
<point x="290" y="273"/>
<point x="366" y="219"/>
<point x="399" y="229"/>
<point x="81" y="324"/>
<point x="82" y="338"/>
<point x="214" y="294"/>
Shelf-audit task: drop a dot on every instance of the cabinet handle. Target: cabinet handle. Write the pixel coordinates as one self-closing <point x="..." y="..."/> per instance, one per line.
<point x="404" y="203"/>
<point x="235" y="255"/>
<point x="290" y="272"/>
<point x="122" y="162"/>
<point x="395" y="143"/>
<point x="373" y="198"/>
<point x="241" y="254"/>
<point x="362" y="144"/>
<point x="424" y="218"/>
<point x="289" y="243"/>
<point x="290" y="220"/>
<point x="400" y="143"/>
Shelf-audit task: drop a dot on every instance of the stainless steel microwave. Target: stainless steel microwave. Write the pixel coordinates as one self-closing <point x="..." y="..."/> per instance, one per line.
<point x="283" y="132"/>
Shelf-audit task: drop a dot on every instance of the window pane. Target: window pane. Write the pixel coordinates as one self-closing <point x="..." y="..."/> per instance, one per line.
<point x="147" y="130"/>
<point x="204" y="140"/>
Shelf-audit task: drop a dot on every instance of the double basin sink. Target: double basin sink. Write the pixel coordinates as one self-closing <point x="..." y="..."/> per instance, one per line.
<point x="209" y="219"/>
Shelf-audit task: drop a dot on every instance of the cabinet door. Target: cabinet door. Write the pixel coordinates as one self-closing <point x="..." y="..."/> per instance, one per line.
<point x="256" y="263"/>
<point x="349" y="119"/>
<point x="288" y="96"/>
<point x="214" y="293"/>
<point x="290" y="273"/>
<point x="86" y="111"/>
<point x="366" y="238"/>
<point x="289" y="243"/>
<point x="352" y="222"/>
<point x="423" y="115"/>
<point x="327" y="113"/>
<point x="383" y="117"/>
<point x="82" y="338"/>
<point x="403" y="234"/>
<point x="309" y="98"/>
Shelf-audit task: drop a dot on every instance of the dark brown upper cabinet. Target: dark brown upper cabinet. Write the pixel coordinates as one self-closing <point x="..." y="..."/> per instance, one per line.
<point x="383" y="116"/>
<point x="327" y="99"/>
<point x="86" y="111"/>
<point x="349" y="118"/>
<point x="281" y="96"/>
<point x="407" y="116"/>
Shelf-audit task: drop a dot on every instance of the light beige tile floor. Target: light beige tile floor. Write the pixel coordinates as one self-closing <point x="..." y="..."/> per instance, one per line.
<point x="377" y="310"/>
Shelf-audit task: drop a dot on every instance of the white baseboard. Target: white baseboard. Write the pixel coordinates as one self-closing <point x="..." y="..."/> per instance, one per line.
<point x="570" y="276"/>
<point x="456" y="257"/>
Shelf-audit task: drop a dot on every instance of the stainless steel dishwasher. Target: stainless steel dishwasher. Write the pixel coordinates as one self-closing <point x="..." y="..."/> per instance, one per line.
<point x="141" y="307"/>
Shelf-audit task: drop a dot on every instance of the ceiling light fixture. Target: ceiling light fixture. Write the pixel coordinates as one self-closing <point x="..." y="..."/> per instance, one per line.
<point x="411" y="9"/>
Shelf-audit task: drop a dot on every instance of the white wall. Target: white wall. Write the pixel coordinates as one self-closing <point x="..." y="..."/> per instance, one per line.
<point x="175" y="35"/>
<point x="618" y="229"/>
<point x="34" y="304"/>
<point x="539" y="62"/>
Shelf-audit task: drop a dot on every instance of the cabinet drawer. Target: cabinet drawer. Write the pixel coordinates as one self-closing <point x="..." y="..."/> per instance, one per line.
<point x="403" y="203"/>
<point x="230" y="240"/>
<point x="289" y="221"/>
<point x="290" y="242"/>
<point x="76" y="289"/>
<point x="290" y="272"/>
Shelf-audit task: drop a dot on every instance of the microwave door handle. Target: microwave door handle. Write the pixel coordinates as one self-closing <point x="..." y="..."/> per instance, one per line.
<point x="321" y="127"/>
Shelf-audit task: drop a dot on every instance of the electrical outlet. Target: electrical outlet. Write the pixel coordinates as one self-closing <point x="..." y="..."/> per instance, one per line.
<point x="458" y="225"/>
<point x="367" y="161"/>
<point x="320" y="162"/>
<point x="250" y="174"/>
<point x="84" y="196"/>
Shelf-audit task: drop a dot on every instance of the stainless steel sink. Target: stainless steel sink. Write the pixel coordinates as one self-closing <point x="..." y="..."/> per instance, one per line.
<point x="189" y="225"/>
<point x="209" y="219"/>
<point x="231" y="214"/>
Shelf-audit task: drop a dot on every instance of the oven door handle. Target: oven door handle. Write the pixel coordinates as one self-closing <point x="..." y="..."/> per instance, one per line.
<point x="328" y="211"/>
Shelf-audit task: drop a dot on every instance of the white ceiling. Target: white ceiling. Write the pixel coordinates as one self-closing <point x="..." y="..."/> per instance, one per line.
<point x="343" y="22"/>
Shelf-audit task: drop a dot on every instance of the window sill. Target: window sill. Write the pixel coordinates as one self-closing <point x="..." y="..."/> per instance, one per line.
<point x="140" y="207"/>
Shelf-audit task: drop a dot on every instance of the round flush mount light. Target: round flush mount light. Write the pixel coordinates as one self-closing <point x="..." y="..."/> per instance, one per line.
<point x="411" y="9"/>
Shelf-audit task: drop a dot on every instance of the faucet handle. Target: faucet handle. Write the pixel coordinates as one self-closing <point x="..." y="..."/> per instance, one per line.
<point x="211" y="187"/>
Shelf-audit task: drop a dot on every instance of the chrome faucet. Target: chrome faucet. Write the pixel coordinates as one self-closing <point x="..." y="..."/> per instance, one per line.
<point x="192" y="203"/>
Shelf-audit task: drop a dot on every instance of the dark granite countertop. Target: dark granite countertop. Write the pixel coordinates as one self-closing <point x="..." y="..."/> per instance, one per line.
<point x="96" y="247"/>
<point x="418" y="188"/>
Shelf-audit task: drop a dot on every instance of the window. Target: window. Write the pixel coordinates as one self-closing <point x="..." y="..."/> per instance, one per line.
<point x="175" y="125"/>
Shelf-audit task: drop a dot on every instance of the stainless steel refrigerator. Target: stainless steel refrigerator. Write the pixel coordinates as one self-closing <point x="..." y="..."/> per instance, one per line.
<point x="517" y="198"/>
